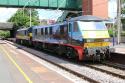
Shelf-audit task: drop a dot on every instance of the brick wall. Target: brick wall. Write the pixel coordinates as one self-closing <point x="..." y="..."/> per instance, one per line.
<point x="96" y="8"/>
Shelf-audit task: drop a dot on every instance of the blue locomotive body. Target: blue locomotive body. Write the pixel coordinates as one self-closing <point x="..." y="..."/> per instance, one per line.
<point x="84" y="38"/>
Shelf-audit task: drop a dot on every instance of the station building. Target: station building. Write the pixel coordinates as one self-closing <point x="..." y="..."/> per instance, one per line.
<point x="95" y="7"/>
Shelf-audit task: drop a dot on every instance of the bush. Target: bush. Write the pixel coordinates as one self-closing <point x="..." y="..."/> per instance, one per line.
<point x="110" y="32"/>
<point x="4" y="34"/>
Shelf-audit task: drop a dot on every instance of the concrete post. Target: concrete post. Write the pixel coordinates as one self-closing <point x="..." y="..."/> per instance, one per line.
<point x="119" y="21"/>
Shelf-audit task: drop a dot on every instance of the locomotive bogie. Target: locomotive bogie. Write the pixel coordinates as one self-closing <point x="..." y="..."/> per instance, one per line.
<point x="97" y="53"/>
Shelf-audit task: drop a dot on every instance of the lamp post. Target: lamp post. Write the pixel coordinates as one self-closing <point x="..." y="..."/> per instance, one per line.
<point x="30" y="11"/>
<point x="113" y="29"/>
<point x="25" y="6"/>
<point x="30" y="17"/>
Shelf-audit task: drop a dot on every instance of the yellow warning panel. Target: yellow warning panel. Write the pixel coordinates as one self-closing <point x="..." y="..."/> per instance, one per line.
<point x="95" y="34"/>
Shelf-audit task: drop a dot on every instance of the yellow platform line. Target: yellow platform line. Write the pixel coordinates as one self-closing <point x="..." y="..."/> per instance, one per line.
<point x="17" y="66"/>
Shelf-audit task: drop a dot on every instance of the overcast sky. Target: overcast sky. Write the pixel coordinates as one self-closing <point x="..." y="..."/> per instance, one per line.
<point x="6" y="13"/>
<point x="112" y="8"/>
<point x="49" y="14"/>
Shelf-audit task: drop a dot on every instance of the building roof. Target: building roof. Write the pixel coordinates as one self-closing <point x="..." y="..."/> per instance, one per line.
<point x="6" y="26"/>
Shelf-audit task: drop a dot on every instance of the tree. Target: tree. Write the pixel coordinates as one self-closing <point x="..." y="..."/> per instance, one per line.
<point x="22" y="18"/>
<point x="123" y="19"/>
<point x="123" y="6"/>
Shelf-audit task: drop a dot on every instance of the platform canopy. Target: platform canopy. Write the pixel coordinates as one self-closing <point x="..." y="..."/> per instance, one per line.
<point x="6" y="26"/>
<point x="44" y="4"/>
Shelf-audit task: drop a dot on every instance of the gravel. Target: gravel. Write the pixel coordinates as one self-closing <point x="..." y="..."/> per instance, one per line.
<point x="111" y="69"/>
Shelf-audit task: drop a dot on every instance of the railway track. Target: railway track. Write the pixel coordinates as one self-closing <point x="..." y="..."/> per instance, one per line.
<point x="79" y="74"/>
<point x="108" y="70"/>
<point x="117" y="70"/>
<point x="115" y="65"/>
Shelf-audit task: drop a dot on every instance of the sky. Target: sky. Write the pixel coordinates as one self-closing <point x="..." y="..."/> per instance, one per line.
<point x="6" y="13"/>
<point x="112" y="8"/>
<point x="49" y="14"/>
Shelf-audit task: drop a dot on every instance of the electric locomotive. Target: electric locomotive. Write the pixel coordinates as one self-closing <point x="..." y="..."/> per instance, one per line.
<point x="82" y="38"/>
<point x="24" y="36"/>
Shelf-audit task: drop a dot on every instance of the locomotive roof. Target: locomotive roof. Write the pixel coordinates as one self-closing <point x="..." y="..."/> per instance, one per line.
<point x="86" y="18"/>
<point x="22" y="29"/>
<point x="48" y="25"/>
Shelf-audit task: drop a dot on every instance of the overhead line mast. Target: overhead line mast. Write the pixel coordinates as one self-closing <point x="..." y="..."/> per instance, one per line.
<point x="119" y="20"/>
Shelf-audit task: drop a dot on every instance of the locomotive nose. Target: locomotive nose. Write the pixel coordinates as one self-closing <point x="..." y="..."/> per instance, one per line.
<point x="97" y="54"/>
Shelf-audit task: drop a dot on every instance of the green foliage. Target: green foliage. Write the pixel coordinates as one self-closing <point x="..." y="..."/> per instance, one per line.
<point x="123" y="19"/>
<point x="110" y="32"/>
<point x="4" y="34"/>
<point x="123" y="33"/>
<point x="22" y="18"/>
<point x="123" y="8"/>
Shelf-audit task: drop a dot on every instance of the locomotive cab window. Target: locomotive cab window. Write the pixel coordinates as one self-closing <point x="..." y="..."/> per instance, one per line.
<point x="75" y="28"/>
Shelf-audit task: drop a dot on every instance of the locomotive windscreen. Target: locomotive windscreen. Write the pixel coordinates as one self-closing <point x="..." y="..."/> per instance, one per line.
<point x="92" y="25"/>
<point x="93" y="29"/>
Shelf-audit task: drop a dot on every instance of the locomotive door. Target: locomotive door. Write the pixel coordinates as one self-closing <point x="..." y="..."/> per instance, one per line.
<point x="70" y="25"/>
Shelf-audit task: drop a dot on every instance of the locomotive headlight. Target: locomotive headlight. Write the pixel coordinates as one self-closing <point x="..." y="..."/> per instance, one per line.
<point x="90" y="40"/>
<point x="106" y="40"/>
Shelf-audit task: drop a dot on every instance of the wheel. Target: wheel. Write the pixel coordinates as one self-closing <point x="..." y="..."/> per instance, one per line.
<point x="72" y="53"/>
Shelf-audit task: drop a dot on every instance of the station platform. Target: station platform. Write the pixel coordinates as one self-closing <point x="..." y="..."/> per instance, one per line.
<point x="119" y="48"/>
<point x="118" y="56"/>
<point x="17" y="67"/>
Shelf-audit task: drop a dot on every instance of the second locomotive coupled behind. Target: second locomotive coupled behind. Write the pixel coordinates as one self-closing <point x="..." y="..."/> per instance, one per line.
<point x="82" y="38"/>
